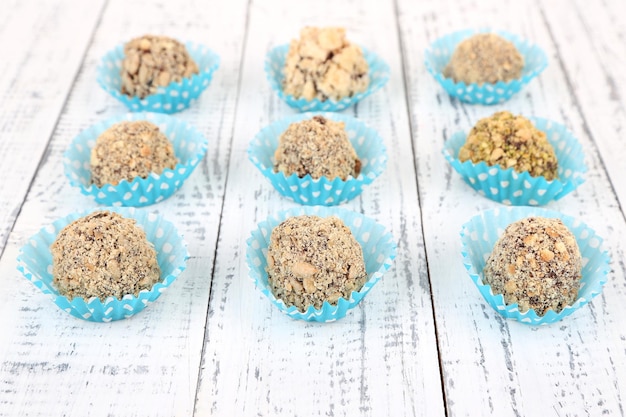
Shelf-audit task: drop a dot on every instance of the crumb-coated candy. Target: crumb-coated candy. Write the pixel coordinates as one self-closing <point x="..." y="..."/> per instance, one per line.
<point x="312" y="259"/>
<point x="322" y="64"/>
<point x="537" y="264"/>
<point x="103" y="254"/>
<point x="511" y="142"/>
<point x="130" y="149"/>
<point x="319" y="147"/>
<point x="484" y="58"/>
<point x="151" y="62"/>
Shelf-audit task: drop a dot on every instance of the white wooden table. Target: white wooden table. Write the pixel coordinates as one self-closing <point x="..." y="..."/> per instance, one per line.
<point x="423" y="342"/>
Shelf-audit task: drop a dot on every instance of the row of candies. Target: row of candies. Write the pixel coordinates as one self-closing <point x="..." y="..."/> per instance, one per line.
<point x="509" y="159"/>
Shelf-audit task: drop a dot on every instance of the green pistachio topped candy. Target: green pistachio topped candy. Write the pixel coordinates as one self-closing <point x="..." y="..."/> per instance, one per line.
<point x="511" y="142"/>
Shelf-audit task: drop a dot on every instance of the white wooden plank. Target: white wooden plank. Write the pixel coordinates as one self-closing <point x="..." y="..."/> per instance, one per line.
<point x="54" y="364"/>
<point x="379" y="360"/>
<point x="492" y="366"/>
<point x="41" y="54"/>
<point x="591" y="44"/>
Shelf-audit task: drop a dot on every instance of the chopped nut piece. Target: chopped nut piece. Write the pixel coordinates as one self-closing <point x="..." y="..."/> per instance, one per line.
<point x="103" y="254"/>
<point x="510" y="141"/>
<point x="484" y="58"/>
<point x="322" y="64"/>
<point x="309" y="284"/>
<point x="551" y="232"/>
<point x="303" y="269"/>
<point x="295" y="284"/>
<point x="496" y="154"/>
<point x="314" y="260"/>
<point x="164" y="79"/>
<point x="145" y="44"/>
<point x="546" y="255"/>
<point x="530" y="240"/>
<point x="511" y="269"/>
<point x="510" y="286"/>
<point x="539" y="280"/>
<point x="130" y="149"/>
<point x="319" y="147"/>
<point x="154" y="61"/>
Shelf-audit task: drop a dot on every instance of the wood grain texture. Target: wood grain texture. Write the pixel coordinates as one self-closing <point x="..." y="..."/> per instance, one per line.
<point x="594" y="71"/>
<point x="492" y="366"/>
<point x="257" y="360"/>
<point x="41" y="55"/>
<point x="54" y="364"/>
<point x="423" y="342"/>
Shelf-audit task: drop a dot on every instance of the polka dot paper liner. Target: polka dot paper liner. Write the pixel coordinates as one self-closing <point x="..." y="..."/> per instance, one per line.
<point x="439" y="53"/>
<point x="513" y="188"/>
<point x="480" y="233"/>
<point x="190" y="147"/>
<point x="35" y="263"/>
<point x="367" y="143"/>
<point x="379" y="250"/>
<point x="275" y="62"/>
<point x="173" y="98"/>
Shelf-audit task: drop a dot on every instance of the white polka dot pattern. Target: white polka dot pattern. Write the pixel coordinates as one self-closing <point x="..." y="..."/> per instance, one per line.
<point x="189" y="146"/>
<point x="509" y="187"/>
<point x="438" y="54"/>
<point x="275" y="62"/>
<point x="35" y="263"/>
<point x="175" y="97"/>
<point x="480" y="233"/>
<point x="379" y="250"/>
<point x="367" y="143"/>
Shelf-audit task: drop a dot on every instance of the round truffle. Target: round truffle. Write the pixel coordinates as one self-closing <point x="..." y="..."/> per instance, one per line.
<point x="536" y="263"/>
<point x="151" y="62"/>
<point x="319" y="147"/>
<point x="322" y="64"/>
<point x="130" y="149"/>
<point x="484" y="58"/>
<point x="311" y="259"/>
<point x="103" y="254"/>
<point x="511" y="142"/>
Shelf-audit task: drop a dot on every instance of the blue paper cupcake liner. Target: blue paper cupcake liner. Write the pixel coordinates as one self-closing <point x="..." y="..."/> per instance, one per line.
<point x="379" y="250"/>
<point x="438" y="54"/>
<point x="322" y="191"/>
<point x="275" y="62"/>
<point x="189" y="146"/>
<point x="512" y="188"/>
<point x="35" y="263"/>
<point x="480" y="234"/>
<point x="175" y="97"/>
